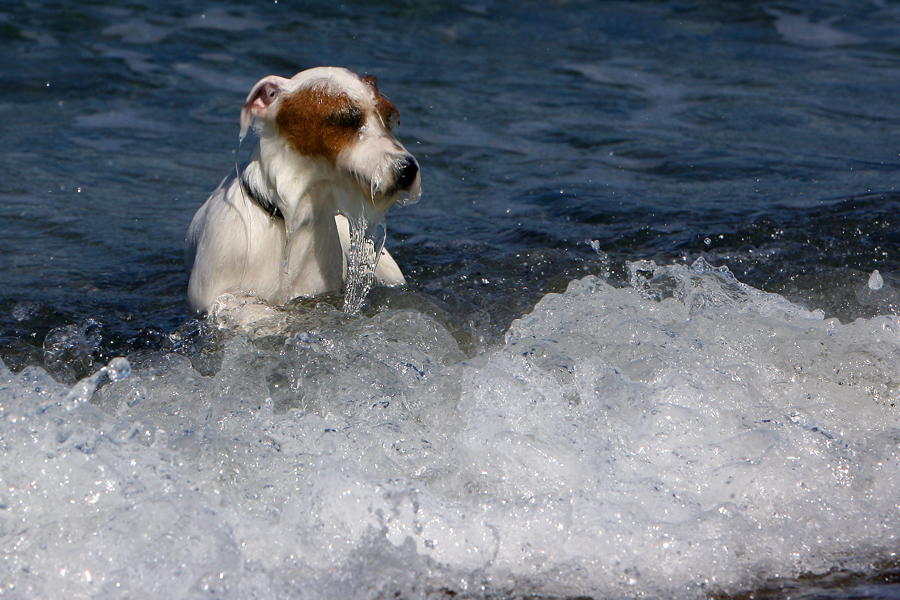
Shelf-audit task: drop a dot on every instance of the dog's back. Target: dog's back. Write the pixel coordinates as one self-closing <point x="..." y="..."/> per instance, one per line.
<point x="233" y="246"/>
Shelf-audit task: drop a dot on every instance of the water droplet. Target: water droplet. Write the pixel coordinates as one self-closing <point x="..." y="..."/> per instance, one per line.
<point x="876" y="281"/>
<point x="118" y="368"/>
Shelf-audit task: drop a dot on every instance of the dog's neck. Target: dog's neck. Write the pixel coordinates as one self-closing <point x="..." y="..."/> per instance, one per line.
<point x="312" y="252"/>
<point x="300" y="201"/>
<point x="257" y="191"/>
<point x="288" y="188"/>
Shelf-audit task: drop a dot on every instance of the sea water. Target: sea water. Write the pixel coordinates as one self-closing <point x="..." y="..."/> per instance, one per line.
<point x="647" y="347"/>
<point x="679" y="437"/>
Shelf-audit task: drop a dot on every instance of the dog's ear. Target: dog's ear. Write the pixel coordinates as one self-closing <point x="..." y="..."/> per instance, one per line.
<point x="261" y="96"/>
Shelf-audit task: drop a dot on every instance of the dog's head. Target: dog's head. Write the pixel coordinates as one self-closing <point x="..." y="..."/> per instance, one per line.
<point x="339" y="125"/>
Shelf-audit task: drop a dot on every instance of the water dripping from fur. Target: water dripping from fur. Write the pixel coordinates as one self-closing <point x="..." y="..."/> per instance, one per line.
<point x="367" y="235"/>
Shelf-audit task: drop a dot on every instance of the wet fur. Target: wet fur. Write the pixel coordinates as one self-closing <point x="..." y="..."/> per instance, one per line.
<point x="275" y="231"/>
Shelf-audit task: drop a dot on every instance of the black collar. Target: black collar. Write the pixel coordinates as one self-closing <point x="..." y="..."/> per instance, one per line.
<point x="259" y="197"/>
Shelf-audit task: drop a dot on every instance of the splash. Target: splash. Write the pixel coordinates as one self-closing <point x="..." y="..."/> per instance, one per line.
<point x="118" y="369"/>
<point x="367" y="235"/>
<point x="685" y="436"/>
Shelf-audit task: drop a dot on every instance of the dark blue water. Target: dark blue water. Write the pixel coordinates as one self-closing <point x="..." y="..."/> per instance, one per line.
<point x="556" y="140"/>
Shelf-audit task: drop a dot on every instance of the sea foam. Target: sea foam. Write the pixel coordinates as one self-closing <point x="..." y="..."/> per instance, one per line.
<point x="680" y="436"/>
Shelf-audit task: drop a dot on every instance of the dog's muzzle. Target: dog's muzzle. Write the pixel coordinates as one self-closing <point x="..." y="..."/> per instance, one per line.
<point x="397" y="181"/>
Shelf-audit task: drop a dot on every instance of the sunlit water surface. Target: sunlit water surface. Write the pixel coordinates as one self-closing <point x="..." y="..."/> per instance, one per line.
<point x="649" y="345"/>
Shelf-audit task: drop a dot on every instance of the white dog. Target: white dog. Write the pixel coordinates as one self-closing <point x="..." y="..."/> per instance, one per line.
<point x="326" y="154"/>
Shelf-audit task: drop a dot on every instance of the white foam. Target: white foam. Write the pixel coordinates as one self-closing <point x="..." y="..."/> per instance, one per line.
<point x="679" y="436"/>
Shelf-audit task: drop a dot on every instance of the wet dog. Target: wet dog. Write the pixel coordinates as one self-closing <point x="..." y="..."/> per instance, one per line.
<point x="326" y="163"/>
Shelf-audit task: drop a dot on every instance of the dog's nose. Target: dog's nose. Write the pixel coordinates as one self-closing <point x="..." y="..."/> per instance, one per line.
<point x="406" y="173"/>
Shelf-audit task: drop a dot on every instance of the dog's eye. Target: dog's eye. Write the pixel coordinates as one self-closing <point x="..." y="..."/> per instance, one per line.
<point x="350" y="117"/>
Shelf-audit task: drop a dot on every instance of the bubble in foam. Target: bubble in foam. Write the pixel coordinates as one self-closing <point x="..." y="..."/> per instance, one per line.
<point x="118" y="368"/>
<point x="68" y="350"/>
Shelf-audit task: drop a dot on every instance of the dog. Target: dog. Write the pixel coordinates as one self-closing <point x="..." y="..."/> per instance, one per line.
<point x="326" y="160"/>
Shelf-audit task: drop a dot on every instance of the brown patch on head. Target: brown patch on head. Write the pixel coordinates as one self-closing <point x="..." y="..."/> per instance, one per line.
<point x="319" y="122"/>
<point x="386" y="109"/>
